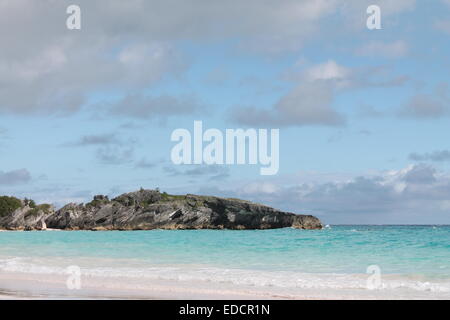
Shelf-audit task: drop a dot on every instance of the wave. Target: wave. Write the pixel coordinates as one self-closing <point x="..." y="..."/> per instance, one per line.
<point x="253" y="278"/>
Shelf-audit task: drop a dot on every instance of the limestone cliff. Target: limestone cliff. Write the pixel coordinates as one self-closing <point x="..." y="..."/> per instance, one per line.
<point x="151" y="209"/>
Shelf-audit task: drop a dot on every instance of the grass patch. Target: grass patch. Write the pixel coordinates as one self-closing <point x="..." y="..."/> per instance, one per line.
<point x="171" y="197"/>
<point x="98" y="200"/>
<point x="35" y="211"/>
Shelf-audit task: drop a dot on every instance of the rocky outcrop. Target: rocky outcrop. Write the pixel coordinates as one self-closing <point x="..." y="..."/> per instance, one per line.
<point x="26" y="218"/>
<point x="151" y="209"/>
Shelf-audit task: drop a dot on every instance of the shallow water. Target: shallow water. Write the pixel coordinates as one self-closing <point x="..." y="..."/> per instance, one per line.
<point x="415" y="258"/>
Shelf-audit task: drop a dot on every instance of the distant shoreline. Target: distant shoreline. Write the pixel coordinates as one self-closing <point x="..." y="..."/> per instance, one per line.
<point x="212" y="229"/>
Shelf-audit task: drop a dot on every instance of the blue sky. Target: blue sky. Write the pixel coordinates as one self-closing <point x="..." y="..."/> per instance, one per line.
<point x="363" y="114"/>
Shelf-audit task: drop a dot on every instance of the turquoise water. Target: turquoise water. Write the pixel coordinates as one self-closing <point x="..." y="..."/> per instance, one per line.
<point x="419" y="253"/>
<point x="341" y="249"/>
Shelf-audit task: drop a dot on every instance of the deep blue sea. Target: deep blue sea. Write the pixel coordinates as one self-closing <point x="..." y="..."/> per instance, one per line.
<point x="414" y="257"/>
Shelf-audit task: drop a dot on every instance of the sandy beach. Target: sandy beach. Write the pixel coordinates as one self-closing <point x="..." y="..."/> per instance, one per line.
<point x="39" y="286"/>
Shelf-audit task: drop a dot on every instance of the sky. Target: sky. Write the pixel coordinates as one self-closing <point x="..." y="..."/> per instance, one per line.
<point x="363" y="114"/>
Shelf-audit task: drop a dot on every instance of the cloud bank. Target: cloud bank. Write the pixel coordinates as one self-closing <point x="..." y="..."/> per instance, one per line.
<point x="416" y="194"/>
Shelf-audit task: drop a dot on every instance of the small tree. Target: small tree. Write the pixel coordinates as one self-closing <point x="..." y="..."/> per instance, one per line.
<point x="8" y="205"/>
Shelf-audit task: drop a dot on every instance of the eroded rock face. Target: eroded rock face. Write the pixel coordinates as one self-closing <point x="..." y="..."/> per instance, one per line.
<point x="150" y="209"/>
<point x="26" y="218"/>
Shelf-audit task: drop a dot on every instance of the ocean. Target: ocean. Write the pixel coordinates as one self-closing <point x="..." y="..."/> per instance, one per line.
<point x="413" y="261"/>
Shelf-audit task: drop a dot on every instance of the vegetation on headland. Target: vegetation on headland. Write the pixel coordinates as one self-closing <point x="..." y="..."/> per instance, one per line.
<point x="98" y="201"/>
<point x="148" y="210"/>
<point x="8" y="205"/>
<point x="45" y="207"/>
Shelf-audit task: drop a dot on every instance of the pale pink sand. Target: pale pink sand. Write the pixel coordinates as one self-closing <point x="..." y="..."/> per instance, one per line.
<point x="38" y="286"/>
<point x="16" y="285"/>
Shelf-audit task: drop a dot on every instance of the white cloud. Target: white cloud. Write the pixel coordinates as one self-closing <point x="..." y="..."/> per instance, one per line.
<point x="443" y="25"/>
<point x="353" y="13"/>
<point x="110" y="148"/>
<point x="311" y="101"/>
<point x="329" y="70"/>
<point x="428" y="105"/>
<point x="396" y="49"/>
<point x="15" y="177"/>
<point x="147" y="107"/>
<point x="130" y="45"/>
<point x="438" y="156"/>
<point x="415" y="194"/>
<point x="262" y="188"/>
<point x="306" y="104"/>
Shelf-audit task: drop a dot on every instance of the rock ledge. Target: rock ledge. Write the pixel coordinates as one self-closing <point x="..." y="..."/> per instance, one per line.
<point x="151" y="209"/>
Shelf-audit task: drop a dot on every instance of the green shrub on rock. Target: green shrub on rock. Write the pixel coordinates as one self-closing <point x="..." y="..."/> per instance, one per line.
<point x="42" y="207"/>
<point x="8" y="205"/>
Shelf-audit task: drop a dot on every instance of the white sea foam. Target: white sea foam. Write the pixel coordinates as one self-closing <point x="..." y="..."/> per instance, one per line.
<point x="254" y="278"/>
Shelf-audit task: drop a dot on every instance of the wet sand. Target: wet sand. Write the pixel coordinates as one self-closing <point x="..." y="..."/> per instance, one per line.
<point x="36" y="286"/>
